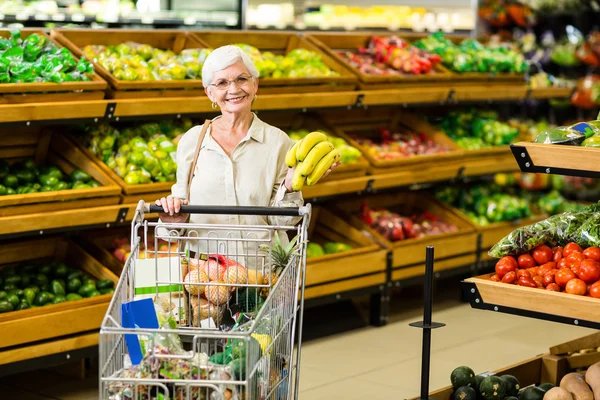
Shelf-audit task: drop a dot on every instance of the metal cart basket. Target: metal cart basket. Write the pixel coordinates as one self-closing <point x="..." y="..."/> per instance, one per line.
<point x="229" y="312"/>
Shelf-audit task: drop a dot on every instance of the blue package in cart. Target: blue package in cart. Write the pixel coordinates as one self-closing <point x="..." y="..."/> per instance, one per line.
<point x="138" y="314"/>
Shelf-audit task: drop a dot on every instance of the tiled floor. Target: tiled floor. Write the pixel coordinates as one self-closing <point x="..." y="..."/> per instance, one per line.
<point x="371" y="363"/>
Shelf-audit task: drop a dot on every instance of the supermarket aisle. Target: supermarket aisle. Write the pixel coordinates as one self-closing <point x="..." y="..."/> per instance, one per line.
<point x="374" y="363"/>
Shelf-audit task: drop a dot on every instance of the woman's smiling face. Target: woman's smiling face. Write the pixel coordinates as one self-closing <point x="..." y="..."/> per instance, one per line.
<point x="233" y="88"/>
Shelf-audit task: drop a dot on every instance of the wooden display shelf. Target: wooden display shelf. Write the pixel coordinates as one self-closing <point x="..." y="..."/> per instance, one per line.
<point x="409" y="94"/>
<point x="333" y="43"/>
<point x="37" y="92"/>
<point x="53" y="111"/>
<point x="410" y="253"/>
<point x="46" y="147"/>
<point x="535" y="371"/>
<point x="353" y="269"/>
<point x="489" y="92"/>
<point x="365" y="124"/>
<point x="557" y="159"/>
<point x="76" y="39"/>
<point x="552" y="93"/>
<point x="536" y="303"/>
<point x="36" y="324"/>
<point x="281" y="43"/>
<point x="579" y="353"/>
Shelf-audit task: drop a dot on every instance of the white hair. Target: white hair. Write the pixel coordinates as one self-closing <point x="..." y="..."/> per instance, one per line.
<point x="223" y="57"/>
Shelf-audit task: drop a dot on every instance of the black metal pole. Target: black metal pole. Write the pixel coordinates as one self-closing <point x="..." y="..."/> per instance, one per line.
<point x="427" y="307"/>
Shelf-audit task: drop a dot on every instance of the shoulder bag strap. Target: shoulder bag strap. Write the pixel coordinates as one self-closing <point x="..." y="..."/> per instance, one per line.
<point x="196" y="153"/>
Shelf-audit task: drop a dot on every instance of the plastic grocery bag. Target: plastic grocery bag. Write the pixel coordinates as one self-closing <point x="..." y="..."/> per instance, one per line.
<point x="560" y="135"/>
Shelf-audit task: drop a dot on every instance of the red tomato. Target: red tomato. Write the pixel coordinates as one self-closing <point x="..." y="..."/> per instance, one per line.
<point x="542" y="254"/>
<point x="535" y="271"/>
<point x="570" y="248"/>
<point x="539" y="281"/>
<point x="548" y="279"/>
<point x="494" y="278"/>
<point x="527" y="282"/>
<point x="576" y="286"/>
<point x="544" y="269"/>
<point x="557" y="254"/>
<point x="510" y="260"/>
<point x="526" y="261"/>
<point x="589" y="271"/>
<point x="510" y="277"/>
<point x="553" y="287"/>
<point x="595" y="290"/>
<point x="563" y="276"/>
<point x="592" y="253"/>
<point x="562" y="263"/>
<point x="502" y="268"/>
<point x="523" y="272"/>
<point x="573" y="261"/>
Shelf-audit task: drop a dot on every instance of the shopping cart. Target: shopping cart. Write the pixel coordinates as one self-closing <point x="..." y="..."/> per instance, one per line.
<point x="231" y="337"/>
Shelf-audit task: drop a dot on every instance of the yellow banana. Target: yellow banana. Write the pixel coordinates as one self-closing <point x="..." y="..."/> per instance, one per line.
<point x="298" y="180"/>
<point x="314" y="156"/>
<point x="290" y="157"/>
<point x="323" y="165"/>
<point x="308" y="143"/>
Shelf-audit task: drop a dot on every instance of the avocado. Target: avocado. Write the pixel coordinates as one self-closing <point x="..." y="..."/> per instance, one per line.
<point x="58" y="288"/>
<point x="492" y="388"/>
<point x="79" y="176"/>
<point x="10" y="191"/>
<point x="46" y="269"/>
<point x="29" y="295"/>
<point x="465" y="393"/>
<point x="107" y="291"/>
<point x="61" y="270"/>
<point x="41" y="279"/>
<point x="17" y="292"/>
<point x="94" y="294"/>
<point x="5" y="306"/>
<point x="59" y="299"/>
<point x="3" y="190"/>
<point x="74" y="274"/>
<point x="3" y="295"/>
<point x="81" y="185"/>
<point x="42" y="298"/>
<point x="13" y="299"/>
<point x="73" y="296"/>
<point x="86" y="290"/>
<point x="23" y="305"/>
<point x="14" y="280"/>
<point x="94" y="184"/>
<point x="11" y="181"/>
<point x="73" y="285"/>
<point x="62" y="186"/>
<point x="25" y="176"/>
<point x="462" y="376"/>
<point x="105" y="284"/>
<point x="511" y="384"/>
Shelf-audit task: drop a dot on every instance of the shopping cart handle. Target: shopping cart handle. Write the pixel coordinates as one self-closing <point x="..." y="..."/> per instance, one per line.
<point x="230" y="210"/>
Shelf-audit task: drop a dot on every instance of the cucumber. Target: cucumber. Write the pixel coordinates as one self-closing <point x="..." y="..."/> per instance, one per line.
<point x="5" y="306"/>
<point x="105" y="284"/>
<point x="73" y="296"/>
<point x="465" y="393"/>
<point x="492" y="388"/>
<point x="532" y="393"/>
<point x="462" y="376"/>
<point x="511" y="384"/>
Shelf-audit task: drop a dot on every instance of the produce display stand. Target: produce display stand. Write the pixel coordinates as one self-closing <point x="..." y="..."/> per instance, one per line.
<point x="332" y="43"/>
<point x="579" y="353"/>
<point x="557" y="159"/>
<point x="363" y="266"/>
<point x="53" y="322"/>
<point x="129" y="193"/>
<point x="76" y="39"/>
<point x="99" y="243"/>
<point x="282" y="43"/>
<point x="455" y="249"/>
<point x="45" y="146"/>
<point x="16" y="93"/>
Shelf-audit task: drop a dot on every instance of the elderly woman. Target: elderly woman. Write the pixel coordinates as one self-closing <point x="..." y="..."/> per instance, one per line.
<point x="241" y="158"/>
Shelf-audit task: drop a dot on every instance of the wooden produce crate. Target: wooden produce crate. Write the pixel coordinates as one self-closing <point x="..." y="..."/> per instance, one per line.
<point x="281" y="43"/>
<point x="293" y="121"/>
<point x="48" y="147"/>
<point x="76" y="39"/>
<point x="581" y="308"/>
<point x="361" y="267"/>
<point x="580" y="353"/>
<point x="57" y="320"/>
<point x="44" y="92"/>
<point x="332" y="43"/>
<point x="365" y="124"/>
<point x="130" y="194"/>
<point x="535" y="371"/>
<point x="452" y="250"/>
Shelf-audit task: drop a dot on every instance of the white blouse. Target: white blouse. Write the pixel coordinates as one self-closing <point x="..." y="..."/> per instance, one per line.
<point x="253" y="176"/>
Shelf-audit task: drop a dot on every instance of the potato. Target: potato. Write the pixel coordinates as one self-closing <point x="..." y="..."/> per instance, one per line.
<point x="557" y="393"/>
<point x="575" y="384"/>
<point x="592" y="377"/>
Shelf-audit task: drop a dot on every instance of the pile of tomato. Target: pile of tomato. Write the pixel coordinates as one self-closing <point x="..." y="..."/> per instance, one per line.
<point x="570" y="269"/>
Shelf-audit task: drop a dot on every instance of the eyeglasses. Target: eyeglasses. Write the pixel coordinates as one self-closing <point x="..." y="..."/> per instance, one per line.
<point x="225" y="83"/>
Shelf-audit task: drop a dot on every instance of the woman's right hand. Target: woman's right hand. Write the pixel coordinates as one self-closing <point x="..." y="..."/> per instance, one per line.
<point x="172" y="207"/>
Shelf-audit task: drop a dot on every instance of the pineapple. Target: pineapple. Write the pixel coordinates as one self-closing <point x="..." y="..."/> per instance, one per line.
<point x="280" y="256"/>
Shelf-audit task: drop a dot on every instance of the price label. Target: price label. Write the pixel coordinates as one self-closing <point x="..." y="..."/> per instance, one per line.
<point x="189" y="20"/>
<point x="59" y="17"/>
<point x="147" y="20"/>
<point x="22" y="16"/>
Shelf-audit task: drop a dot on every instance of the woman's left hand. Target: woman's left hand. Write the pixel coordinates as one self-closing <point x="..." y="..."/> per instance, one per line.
<point x="290" y="175"/>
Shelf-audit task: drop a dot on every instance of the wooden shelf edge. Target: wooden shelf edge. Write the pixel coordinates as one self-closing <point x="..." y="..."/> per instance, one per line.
<point x="23" y="353"/>
<point x="557" y="159"/>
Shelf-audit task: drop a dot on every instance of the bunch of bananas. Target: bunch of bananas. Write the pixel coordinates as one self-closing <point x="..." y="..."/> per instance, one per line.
<point x="312" y="157"/>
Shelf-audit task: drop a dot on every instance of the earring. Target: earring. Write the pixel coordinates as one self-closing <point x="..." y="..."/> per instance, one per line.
<point x="255" y="96"/>
<point x="214" y="105"/>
